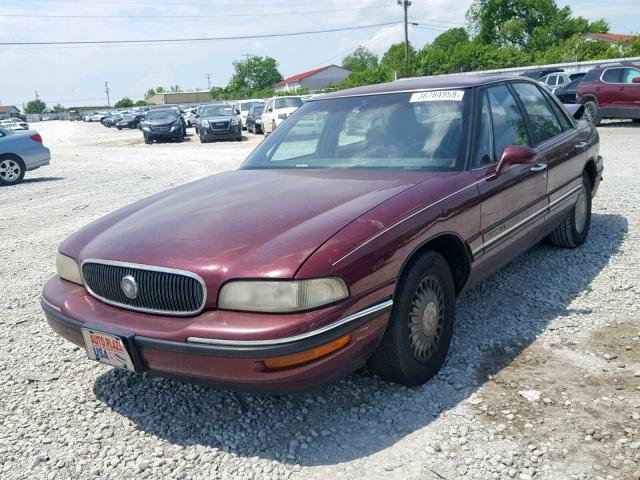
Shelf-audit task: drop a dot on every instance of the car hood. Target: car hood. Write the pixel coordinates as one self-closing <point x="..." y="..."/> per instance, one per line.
<point x="238" y="224"/>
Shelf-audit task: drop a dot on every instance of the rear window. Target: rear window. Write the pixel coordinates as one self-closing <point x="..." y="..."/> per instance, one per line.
<point x="591" y="76"/>
<point x="288" y="102"/>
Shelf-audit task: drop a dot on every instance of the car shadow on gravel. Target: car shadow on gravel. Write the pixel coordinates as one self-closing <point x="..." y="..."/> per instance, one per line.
<point x="362" y="414"/>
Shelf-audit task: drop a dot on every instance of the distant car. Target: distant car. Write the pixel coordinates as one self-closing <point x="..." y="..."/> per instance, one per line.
<point x="130" y="120"/>
<point x="539" y="73"/>
<point x="163" y="124"/>
<point x="243" y="107"/>
<point x="567" y="92"/>
<point x="111" y="120"/>
<point x="277" y="110"/>
<point x="20" y="151"/>
<point x="219" y="121"/>
<point x="576" y="76"/>
<point x="611" y="92"/>
<point x="189" y="116"/>
<point x="96" y="116"/>
<point x="254" y="118"/>
<point x="14" y="124"/>
<point x="555" y="80"/>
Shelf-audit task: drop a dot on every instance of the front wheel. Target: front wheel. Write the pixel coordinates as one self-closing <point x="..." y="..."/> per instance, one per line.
<point x="12" y="170"/>
<point x="574" y="229"/>
<point x="417" y="339"/>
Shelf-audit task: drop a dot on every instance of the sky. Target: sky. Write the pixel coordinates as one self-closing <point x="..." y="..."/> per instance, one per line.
<point x="75" y="75"/>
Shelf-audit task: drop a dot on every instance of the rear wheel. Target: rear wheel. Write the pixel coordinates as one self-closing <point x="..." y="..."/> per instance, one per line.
<point x="417" y="339"/>
<point x="574" y="229"/>
<point x="12" y="170"/>
<point x="591" y="113"/>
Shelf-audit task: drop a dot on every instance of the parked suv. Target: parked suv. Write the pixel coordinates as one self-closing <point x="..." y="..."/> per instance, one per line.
<point x="276" y="111"/>
<point x="611" y="92"/>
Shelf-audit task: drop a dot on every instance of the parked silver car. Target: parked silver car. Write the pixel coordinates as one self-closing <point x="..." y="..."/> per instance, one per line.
<point x="20" y="151"/>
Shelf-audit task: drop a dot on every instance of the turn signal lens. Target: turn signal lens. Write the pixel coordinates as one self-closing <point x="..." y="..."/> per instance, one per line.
<point x="306" y="356"/>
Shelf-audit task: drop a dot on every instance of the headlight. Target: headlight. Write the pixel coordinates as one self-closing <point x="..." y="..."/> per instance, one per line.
<point x="281" y="296"/>
<point x="205" y="123"/>
<point x="283" y="116"/>
<point x="68" y="269"/>
<point x="235" y="121"/>
<point x="145" y="128"/>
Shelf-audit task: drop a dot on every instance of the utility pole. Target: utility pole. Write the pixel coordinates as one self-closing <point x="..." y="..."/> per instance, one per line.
<point x="209" y="80"/>
<point x="406" y="4"/>
<point x="37" y="97"/>
<point x="107" y="90"/>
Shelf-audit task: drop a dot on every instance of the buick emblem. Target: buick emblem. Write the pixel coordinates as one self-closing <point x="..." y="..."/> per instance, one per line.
<point x="129" y="287"/>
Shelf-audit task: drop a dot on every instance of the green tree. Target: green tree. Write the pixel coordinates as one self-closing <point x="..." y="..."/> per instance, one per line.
<point x="366" y="77"/>
<point x="35" y="106"/>
<point x="160" y="90"/>
<point x="124" y="103"/>
<point x="448" y="40"/>
<point x="140" y="103"/>
<point x="361" y="59"/>
<point x="150" y="93"/>
<point x="254" y="73"/>
<point x="58" y="108"/>
<point x="176" y="88"/>
<point x="393" y="61"/>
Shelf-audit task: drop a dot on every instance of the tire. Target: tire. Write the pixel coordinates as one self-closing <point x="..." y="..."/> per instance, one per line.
<point x="591" y="112"/>
<point x="419" y="332"/>
<point x="239" y="138"/>
<point x="203" y="140"/>
<point x="119" y="128"/>
<point x="636" y="120"/>
<point x="574" y="229"/>
<point x="147" y="140"/>
<point x="12" y="170"/>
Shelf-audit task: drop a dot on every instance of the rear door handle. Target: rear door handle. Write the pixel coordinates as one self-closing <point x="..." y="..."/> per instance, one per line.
<point x="538" y="167"/>
<point x="582" y="145"/>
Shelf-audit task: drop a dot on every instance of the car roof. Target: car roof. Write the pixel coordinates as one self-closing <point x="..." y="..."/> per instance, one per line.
<point x="421" y="83"/>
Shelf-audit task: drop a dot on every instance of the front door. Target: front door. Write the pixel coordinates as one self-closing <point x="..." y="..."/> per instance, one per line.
<point x="514" y="202"/>
<point x="630" y="92"/>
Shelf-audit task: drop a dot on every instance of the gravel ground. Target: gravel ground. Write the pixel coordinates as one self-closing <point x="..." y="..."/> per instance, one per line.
<point x="542" y="381"/>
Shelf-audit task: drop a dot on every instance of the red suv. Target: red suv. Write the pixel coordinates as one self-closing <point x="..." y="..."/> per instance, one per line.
<point x="611" y="92"/>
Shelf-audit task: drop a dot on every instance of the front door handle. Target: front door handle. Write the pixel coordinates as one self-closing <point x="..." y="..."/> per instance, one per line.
<point x="582" y="145"/>
<point x="538" y="167"/>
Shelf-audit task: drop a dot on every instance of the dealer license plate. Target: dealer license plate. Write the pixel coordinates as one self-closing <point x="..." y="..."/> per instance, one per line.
<point x="107" y="348"/>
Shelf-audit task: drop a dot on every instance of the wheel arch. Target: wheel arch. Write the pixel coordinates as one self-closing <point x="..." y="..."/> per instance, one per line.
<point x="592" y="171"/>
<point x="589" y="97"/>
<point x="454" y="250"/>
<point x="15" y="156"/>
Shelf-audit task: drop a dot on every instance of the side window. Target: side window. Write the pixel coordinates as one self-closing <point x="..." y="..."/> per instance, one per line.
<point x="612" y="75"/>
<point x="560" y="114"/>
<point x="484" y="149"/>
<point x="629" y="74"/>
<point x="509" y="127"/>
<point x="543" y="120"/>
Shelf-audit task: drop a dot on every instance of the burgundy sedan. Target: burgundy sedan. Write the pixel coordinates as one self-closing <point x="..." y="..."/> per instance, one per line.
<point x="343" y="239"/>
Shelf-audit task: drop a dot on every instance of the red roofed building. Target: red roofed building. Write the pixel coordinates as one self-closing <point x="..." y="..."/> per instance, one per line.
<point x="313" y="79"/>
<point x="609" y="37"/>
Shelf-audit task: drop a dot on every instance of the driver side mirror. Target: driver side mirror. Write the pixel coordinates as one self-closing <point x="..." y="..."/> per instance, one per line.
<point x="514" y="155"/>
<point x="636" y="80"/>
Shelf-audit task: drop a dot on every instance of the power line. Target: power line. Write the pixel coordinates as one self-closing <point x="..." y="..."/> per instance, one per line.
<point x="297" y="12"/>
<point x="156" y="4"/>
<point x="197" y="39"/>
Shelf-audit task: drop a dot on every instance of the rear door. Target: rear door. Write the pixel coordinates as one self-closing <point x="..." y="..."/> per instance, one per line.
<point x="513" y="204"/>
<point x="610" y="88"/>
<point x="629" y="91"/>
<point x="558" y="145"/>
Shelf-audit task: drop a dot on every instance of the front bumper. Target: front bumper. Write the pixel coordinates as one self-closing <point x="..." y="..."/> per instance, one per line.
<point x="162" y="134"/>
<point x="232" y="132"/>
<point x="234" y="363"/>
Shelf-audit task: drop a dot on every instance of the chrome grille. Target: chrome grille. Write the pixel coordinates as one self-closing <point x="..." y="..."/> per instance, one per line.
<point x="160" y="290"/>
<point x="161" y="128"/>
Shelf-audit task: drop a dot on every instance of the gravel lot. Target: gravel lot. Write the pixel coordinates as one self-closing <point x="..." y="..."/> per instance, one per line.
<point x="542" y="381"/>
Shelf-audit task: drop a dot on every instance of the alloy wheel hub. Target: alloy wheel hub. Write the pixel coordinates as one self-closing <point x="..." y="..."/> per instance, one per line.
<point x="426" y="316"/>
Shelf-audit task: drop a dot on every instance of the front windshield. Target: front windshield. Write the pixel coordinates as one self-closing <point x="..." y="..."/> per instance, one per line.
<point x="162" y="115"/>
<point x="412" y="131"/>
<point x="244" y="107"/>
<point x="287" y="102"/>
<point x="258" y="110"/>
<point x="218" y="111"/>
